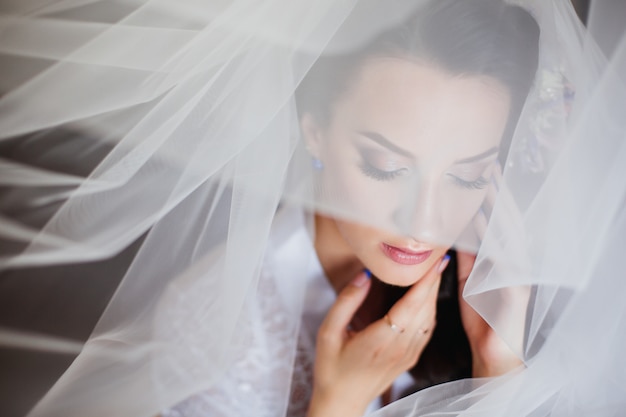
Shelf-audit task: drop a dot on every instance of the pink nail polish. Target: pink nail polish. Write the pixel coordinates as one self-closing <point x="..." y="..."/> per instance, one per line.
<point x="444" y="263"/>
<point x="360" y="280"/>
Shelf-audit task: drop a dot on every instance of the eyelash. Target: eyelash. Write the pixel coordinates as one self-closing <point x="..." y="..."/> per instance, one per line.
<point x="478" y="184"/>
<point x="380" y="175"/>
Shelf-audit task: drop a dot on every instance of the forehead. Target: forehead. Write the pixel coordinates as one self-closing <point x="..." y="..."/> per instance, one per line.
<point x="419" y="106"/>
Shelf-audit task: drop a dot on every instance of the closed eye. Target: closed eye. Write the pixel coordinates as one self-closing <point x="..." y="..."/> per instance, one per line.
<point x="379" y="174"/>
<point x="477" y="184"/>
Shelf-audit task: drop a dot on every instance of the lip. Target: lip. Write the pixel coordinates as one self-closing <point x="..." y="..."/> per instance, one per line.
<point x="405" y="256"/>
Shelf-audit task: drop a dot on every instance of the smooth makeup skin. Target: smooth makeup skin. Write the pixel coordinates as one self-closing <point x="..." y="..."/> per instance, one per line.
<point x="412" y="149"/>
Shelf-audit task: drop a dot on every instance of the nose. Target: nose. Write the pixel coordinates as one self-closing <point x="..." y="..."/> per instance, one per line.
<point x="420" y="214"/>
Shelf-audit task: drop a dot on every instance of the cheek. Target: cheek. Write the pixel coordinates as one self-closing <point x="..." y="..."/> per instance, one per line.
<point x="460" y="208"/>
<point x="362" y="198"/>
<point x="360" y="238"/>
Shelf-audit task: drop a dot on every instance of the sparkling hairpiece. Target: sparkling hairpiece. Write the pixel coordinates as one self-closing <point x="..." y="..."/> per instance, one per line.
<point x="548" y="114"/>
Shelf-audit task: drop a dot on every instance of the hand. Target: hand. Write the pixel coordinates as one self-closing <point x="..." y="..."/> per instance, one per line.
<point x="491" y="356"/>
<point x="352" y="369"/>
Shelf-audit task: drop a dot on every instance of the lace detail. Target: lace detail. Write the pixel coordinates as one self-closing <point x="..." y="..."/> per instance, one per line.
<point x="259" y="382"/>
<point x="302" y="378"/>
<point x="270" y="370"/>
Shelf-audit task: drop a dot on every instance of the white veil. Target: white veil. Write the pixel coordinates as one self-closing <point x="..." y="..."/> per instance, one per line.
<point x="183" y="119"/>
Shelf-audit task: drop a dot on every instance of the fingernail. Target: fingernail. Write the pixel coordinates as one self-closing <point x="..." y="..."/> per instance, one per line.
<point x="368" y="273"/>
<point x="361" y="279"/>
<point x="444" y="263"/>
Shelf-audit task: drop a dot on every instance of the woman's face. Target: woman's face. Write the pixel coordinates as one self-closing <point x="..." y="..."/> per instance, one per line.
<point x="409" y="152"/>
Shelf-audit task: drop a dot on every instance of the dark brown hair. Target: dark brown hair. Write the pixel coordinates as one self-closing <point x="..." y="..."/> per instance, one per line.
<point x="462" y="37"/>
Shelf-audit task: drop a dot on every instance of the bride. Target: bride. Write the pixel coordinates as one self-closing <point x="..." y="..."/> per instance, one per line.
<point x="282" y="276"/>
<point x="407" y="111"/>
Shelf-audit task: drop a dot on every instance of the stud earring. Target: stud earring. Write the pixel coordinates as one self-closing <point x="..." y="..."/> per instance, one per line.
<point x="318" y="165"/>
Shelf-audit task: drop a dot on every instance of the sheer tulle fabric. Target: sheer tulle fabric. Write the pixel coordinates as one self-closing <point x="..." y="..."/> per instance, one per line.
<point x="194" y="105"/>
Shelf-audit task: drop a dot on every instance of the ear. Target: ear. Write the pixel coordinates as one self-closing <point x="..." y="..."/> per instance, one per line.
<point x="312" y="134"/>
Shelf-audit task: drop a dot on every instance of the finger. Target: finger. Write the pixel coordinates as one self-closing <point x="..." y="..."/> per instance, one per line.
<point x="486" y="209"/>
<point x="510" y="218"/>
<point x="465" y="264"/>
<point x="472" y="321"/>
<point x="492" y="192"/>
<point x="407" y="310"/>
<point x="480" y="226"/>
<point x="334" y="327"/>
<point x="423" y="322"/>
<point x="421" y="336"/>
<point x="497" y="174"/>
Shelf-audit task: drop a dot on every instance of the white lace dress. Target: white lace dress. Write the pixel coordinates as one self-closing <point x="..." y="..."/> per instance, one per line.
<point x="272" y="369"/>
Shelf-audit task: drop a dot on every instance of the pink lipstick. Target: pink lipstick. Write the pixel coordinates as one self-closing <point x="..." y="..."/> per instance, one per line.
<point x="405" y="256"/>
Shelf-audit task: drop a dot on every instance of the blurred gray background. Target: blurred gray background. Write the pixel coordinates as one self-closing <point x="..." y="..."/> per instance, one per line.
<point x="64" y="300"/>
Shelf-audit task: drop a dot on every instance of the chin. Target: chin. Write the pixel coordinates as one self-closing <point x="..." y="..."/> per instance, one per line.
<point x="400" y="283"/>
<point x="401" y="275"/>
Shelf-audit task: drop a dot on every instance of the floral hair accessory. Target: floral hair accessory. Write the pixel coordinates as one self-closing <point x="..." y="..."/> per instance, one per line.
<point x="550" y="110"/>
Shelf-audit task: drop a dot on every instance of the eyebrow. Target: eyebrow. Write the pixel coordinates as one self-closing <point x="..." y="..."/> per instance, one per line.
<point x="382" y="141"/>
<point x="478" y="157"/>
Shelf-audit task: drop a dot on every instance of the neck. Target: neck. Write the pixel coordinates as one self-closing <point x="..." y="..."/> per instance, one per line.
<point x="339" y="262"/>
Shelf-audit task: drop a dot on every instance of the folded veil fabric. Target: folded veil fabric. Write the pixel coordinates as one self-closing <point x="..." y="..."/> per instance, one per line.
<point x="192" y="105"/>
